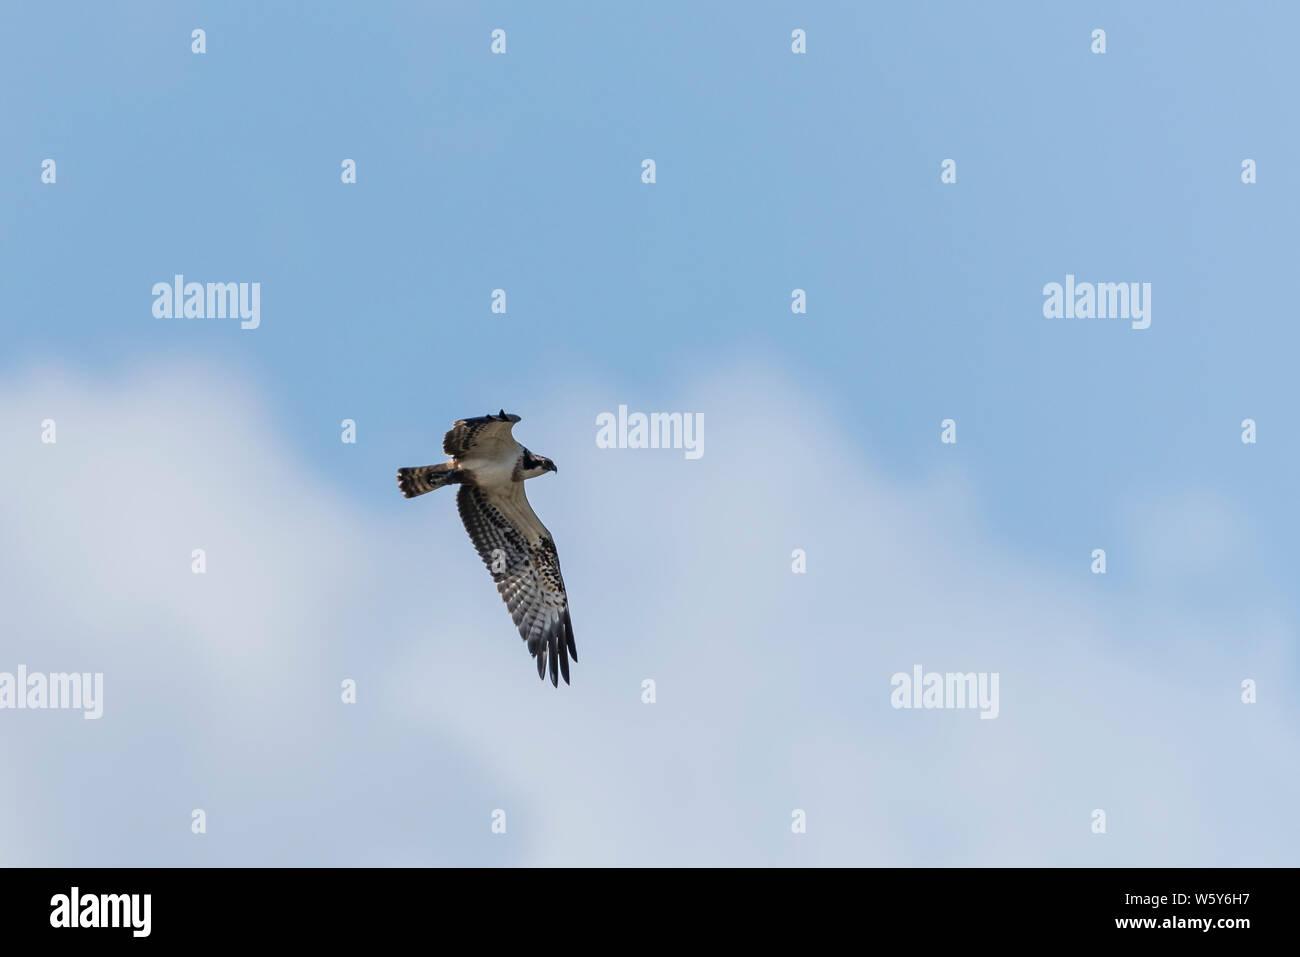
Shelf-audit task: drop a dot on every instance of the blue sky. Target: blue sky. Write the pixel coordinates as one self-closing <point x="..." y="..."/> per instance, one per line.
<point x="774" y="172"/>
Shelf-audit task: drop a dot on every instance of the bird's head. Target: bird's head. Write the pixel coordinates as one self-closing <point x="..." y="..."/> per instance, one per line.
<point x="535" y="465"/>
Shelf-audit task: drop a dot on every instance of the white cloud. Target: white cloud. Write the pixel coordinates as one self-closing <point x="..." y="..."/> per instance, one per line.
<point x="773" y="688"/>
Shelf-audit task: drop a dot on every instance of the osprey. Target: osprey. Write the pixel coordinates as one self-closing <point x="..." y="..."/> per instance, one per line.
<point x="491" y="467"/>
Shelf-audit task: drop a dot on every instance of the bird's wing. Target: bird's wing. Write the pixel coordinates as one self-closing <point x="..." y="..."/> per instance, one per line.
<point x="482" y="429"/>
<point x="520" y="554"/>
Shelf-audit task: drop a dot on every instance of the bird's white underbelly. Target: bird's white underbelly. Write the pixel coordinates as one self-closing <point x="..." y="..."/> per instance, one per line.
<point x="492" y="463"/>
<point x="490" y="473"/>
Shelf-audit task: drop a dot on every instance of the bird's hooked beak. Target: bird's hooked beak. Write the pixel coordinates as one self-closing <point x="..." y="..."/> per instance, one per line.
<point x="550" y="466"/>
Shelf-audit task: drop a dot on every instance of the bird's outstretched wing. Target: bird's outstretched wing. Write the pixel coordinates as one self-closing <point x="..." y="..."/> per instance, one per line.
<point x="467" y="433"/>
<point x="520" y="554"/>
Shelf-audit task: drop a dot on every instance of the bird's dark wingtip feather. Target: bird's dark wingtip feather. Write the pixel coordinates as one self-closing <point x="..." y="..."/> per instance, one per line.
<point x="568" y="635"/>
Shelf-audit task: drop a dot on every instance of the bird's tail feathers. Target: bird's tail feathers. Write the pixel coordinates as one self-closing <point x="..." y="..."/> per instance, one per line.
<point x="426" y="478"/>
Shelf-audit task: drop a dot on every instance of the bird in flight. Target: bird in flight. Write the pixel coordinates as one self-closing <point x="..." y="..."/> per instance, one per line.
<point x="491" y="467"/>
